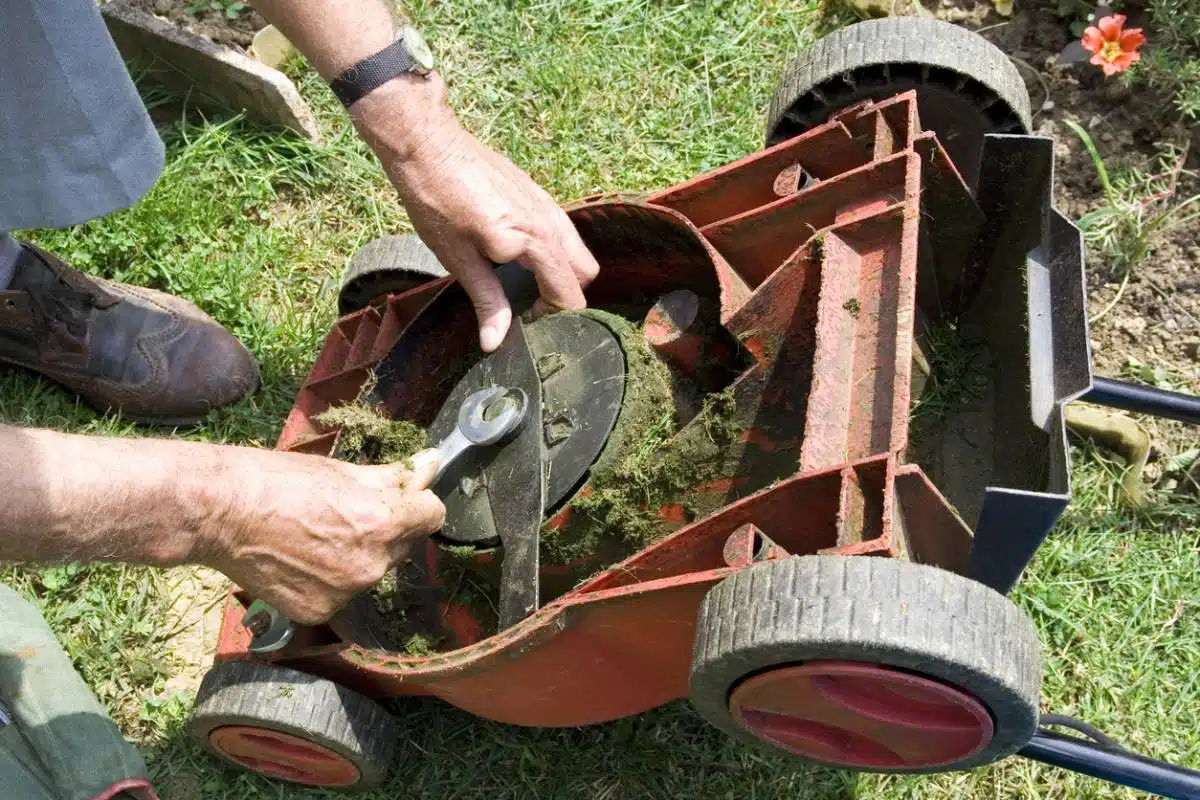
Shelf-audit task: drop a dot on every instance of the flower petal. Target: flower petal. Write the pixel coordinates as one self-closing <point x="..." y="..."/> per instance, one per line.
<point x="1110" y="27"/>
<point x="1092" y="39"/>
<point x="1111" y="68"/>
<point x="1132" y="39"/>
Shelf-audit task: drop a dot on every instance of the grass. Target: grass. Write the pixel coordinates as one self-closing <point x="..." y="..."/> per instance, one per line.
<point x="587" y="95"/>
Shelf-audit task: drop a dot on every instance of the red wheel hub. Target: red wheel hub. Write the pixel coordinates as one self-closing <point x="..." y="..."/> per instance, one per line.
<point x="281" y="755"/>
<point x="862" y="715"/>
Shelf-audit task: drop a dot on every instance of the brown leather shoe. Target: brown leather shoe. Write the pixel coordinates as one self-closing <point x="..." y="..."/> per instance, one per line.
<point x="150" y="356"/>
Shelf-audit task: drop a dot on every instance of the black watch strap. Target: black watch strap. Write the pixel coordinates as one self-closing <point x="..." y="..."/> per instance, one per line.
<point x="372" y="72"/>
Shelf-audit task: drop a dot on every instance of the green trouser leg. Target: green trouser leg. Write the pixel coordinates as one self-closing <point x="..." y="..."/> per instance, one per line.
<point x="59" y="745"/>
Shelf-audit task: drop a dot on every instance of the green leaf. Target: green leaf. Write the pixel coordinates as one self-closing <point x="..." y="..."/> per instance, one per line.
<point x="1183" y="461"/>
<point x="1097" y="161"/>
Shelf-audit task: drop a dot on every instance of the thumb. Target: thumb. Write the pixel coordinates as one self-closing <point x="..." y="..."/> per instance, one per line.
<point x="414" y="474"/>
<point x="417" y="472"/>
<point x="491" y="307"/>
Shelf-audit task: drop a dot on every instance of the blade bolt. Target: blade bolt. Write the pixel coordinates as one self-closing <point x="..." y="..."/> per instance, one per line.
<point x="259" y="624"/>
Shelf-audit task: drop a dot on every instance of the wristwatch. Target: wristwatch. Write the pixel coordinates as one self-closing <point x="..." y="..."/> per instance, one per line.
<point x="407" y="54"/>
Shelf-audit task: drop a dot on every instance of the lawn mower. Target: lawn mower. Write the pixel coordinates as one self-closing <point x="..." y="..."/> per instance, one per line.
<point x="787" y="465"/>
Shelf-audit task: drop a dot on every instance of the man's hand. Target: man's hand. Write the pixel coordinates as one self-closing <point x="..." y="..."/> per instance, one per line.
<point x="307" y="534"/>
<point x="475" y="209"/>
<point x="470" y="205"/>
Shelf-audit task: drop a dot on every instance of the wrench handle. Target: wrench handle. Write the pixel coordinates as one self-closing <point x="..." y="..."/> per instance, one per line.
<point x="449" y="452"/>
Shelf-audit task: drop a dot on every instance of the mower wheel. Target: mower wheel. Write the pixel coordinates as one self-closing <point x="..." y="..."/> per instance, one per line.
<point x="293" y="726"/>
<point x="870" y="664"/>
<point x="387" y="265"/>
<point x="966" y="86"/>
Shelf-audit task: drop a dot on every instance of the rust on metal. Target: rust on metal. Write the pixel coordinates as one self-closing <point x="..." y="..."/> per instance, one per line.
<point x="675" y="329"/>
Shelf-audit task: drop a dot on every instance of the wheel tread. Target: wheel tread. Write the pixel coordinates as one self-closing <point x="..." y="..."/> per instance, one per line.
<point x="876" y="610"/>
<point x="264" y="695"/>
<point x="903" y="40"/>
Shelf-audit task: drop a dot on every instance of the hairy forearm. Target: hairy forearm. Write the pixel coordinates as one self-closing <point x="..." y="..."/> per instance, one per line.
<point x="90" y="498"/>
<point x="400" y="120"/>
<point x="332" y="34"/>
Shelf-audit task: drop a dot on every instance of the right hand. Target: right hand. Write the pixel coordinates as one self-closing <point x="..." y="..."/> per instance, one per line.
<point x="309" y="533"/>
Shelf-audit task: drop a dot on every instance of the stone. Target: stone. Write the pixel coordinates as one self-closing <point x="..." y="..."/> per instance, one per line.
<point x="211" y="76"/>
<point x="1134" y="326"/>
<point x="271" y="48"/>
<point x="1192" y="349"/>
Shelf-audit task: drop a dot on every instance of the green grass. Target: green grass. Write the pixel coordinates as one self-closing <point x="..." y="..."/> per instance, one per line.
<point x="586" y="96"/>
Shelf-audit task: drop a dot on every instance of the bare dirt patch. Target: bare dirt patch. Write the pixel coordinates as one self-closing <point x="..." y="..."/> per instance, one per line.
<point x="1157" y="319"/>
<point x="207" y="19"/>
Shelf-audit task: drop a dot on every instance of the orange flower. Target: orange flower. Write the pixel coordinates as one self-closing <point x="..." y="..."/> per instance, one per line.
<point x="1113" y="48"/>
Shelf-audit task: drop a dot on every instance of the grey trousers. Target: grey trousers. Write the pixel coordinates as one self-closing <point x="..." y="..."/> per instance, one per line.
<point x="76" y="142"/>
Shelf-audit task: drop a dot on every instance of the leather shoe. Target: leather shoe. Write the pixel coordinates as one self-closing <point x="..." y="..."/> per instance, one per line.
<point x="149" y="356"/>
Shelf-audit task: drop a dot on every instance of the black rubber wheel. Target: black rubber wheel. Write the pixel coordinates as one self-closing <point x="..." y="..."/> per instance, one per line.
<point x="892" y="617"/>
<point x="293" y="726"/>
<point x="387" y="265"/>
<point x="966" y="86"/>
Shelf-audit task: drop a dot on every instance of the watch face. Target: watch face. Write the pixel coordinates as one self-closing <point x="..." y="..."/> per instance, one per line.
<point x="418" y="49"/>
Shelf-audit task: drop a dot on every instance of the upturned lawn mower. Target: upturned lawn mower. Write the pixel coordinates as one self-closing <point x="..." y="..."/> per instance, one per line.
<point x="744" y="478"/>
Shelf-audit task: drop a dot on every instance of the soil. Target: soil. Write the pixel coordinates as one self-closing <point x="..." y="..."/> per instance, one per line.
<point x="1157" y="318"/>
<point x="211" y="23"/>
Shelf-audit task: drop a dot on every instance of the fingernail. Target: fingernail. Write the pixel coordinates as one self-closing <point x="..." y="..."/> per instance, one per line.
<point x="490" y="337"/>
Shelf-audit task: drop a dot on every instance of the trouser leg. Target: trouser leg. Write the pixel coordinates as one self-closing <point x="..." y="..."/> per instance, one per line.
<point x="9" y="250"/>
<point x="76" y="141"/>
<point x="60" y="743"/>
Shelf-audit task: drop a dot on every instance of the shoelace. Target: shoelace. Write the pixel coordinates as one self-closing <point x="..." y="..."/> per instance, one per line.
<point x="64" y="303"/>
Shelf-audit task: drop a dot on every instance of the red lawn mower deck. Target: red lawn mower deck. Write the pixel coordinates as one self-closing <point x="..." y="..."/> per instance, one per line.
<point x="801" y="288"/>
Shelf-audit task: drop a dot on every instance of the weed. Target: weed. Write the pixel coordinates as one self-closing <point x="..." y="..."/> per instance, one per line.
<point x="231" y="9"/>
<point x="1138" y="209"/>
<point x="1078" y="13"/>
<point x="1172" y="64"/>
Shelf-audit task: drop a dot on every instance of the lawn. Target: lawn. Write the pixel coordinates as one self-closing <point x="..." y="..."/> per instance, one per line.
<point x="586" y="95"/>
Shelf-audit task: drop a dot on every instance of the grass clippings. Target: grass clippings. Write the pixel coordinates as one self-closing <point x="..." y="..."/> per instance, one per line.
<point x="369" y="437"/>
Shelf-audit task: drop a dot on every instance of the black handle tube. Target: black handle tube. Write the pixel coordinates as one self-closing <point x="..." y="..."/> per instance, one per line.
<point x="1144" y="399"/>
<point x="1115" y="766"/>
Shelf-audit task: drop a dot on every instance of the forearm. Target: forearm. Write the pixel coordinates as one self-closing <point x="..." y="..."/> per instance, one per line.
<point x="400" y="119"/>
<point x="90" y="498"/>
